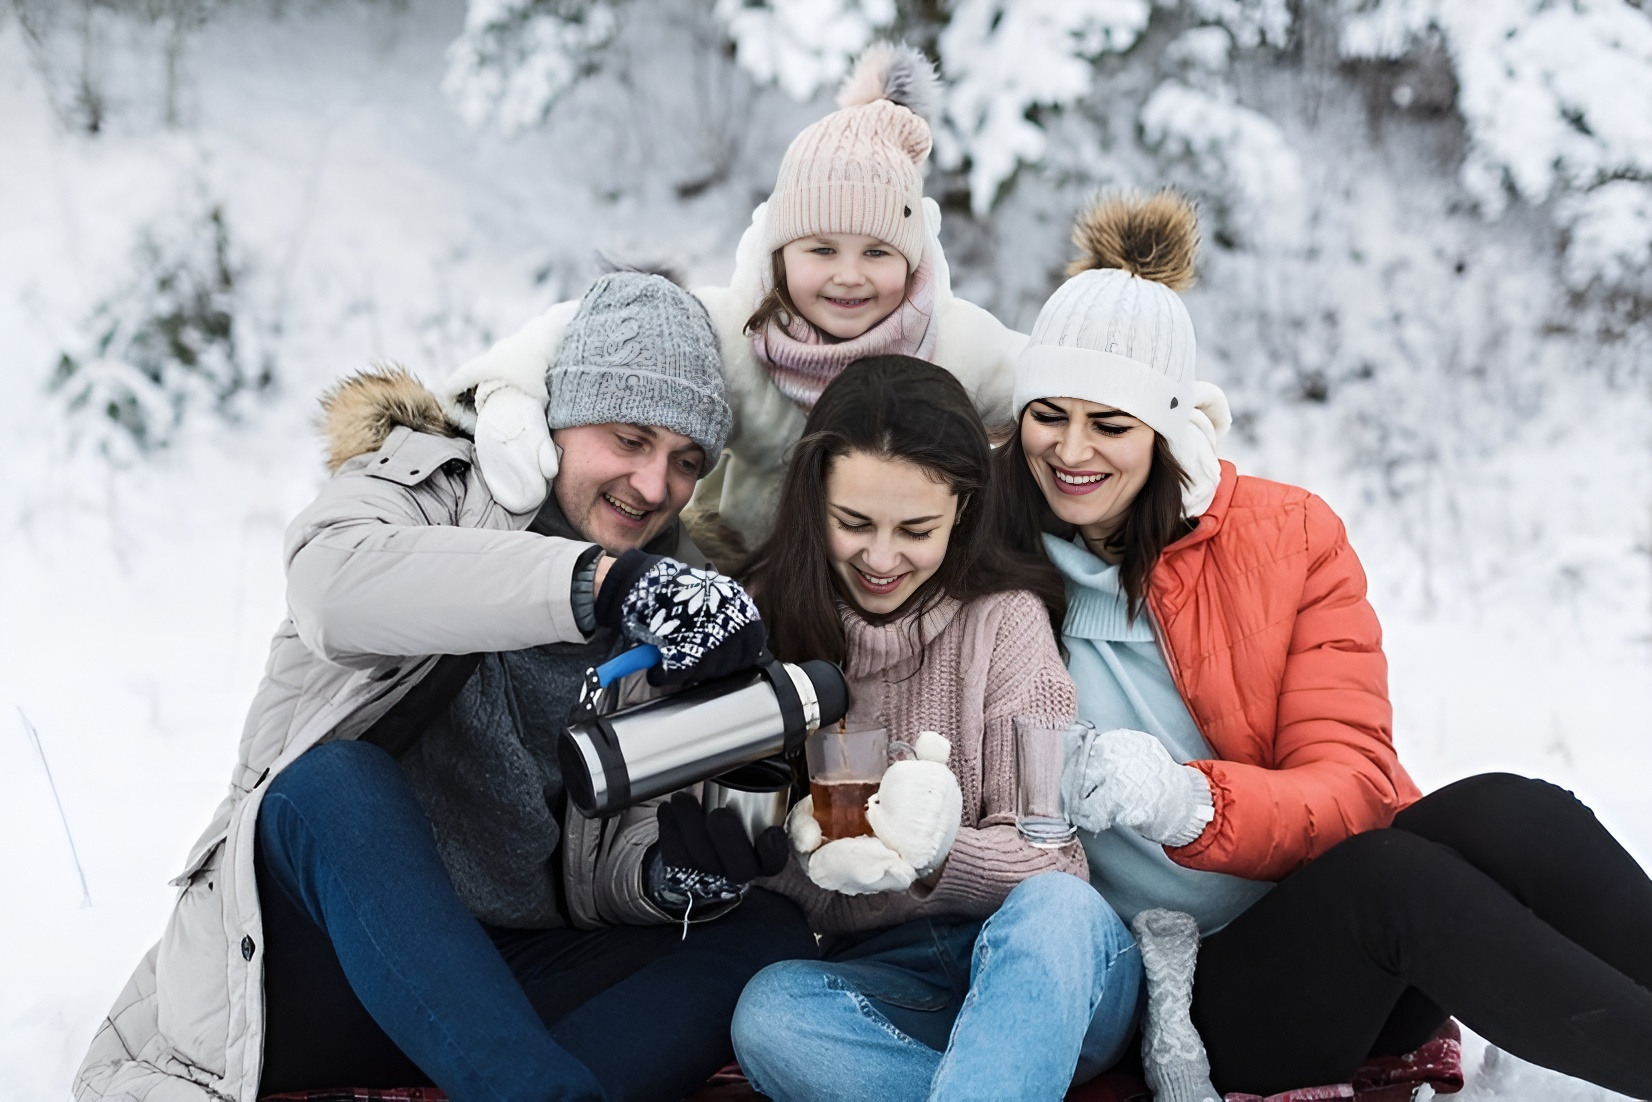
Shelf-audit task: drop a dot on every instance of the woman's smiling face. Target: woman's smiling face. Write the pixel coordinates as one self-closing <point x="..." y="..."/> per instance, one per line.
<point x="1090" y="461"/>
<point x="888" y="522"/>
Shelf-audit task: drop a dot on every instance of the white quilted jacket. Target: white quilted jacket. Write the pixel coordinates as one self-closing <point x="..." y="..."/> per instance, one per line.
<point x="430" y="565"/>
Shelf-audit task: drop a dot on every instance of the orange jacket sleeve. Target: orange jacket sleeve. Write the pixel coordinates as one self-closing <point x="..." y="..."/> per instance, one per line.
<point x="1332" y="771"/>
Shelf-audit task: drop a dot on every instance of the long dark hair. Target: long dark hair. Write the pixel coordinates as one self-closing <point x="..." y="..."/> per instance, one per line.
<point x="1155" y="520"/>
<point x="892" y="407"/>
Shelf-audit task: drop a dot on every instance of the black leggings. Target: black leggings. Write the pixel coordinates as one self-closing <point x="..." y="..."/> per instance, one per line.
<point x="1499" y="900"/>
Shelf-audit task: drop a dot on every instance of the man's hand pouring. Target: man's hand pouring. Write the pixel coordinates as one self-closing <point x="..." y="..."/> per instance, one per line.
<point x="704" y="623"/>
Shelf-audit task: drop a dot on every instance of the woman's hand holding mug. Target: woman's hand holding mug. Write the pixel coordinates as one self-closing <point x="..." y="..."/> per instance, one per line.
<point x="1127" y="778"/>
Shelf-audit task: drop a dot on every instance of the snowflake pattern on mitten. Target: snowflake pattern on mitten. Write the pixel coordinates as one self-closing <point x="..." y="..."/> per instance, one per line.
<point x="686" y="612"/>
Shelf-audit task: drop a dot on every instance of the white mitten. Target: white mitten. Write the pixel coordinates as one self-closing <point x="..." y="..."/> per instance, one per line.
<point x="917" y="808"/>
<point x="860" y="866"/>
<point x="1127" y="778"/>
<point x="803" y="828"/>
<point x="513" y="446"/>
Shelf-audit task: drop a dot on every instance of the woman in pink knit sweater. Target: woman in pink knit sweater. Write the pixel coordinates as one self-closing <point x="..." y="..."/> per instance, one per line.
<point x="969" y="974"/>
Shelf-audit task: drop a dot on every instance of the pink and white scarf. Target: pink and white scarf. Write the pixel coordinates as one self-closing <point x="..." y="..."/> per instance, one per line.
<point x="801" y="360"/>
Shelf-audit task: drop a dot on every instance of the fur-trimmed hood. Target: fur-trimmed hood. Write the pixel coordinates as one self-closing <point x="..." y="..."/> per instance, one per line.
<point x="359" y="412"/>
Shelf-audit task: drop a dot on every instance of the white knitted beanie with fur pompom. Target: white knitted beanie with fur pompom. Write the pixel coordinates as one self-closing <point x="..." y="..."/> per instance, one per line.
<point x="1117" y="333"/>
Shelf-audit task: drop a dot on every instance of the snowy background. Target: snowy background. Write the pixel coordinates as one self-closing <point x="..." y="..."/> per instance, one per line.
<point x="1426" y="289"/>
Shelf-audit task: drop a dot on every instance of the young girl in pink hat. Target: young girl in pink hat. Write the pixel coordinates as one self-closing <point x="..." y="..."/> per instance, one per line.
<point x="843" y="261"/>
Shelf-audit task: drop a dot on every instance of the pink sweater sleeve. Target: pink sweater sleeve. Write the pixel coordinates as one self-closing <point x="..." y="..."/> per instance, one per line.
<point x="1026" y="676"/>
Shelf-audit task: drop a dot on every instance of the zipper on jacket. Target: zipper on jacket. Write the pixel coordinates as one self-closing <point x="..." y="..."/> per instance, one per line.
<point x="1175" y="670"/>
<point x="1164" y="651"/>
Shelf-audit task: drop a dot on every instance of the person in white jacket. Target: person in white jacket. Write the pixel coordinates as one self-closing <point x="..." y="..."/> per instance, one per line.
<point x="394" y="890"/>
<point x="842" y="262"/>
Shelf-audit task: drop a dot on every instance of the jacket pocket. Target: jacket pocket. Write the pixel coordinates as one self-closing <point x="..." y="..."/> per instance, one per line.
<point x="192" y="968"/>
<point x="211" y="840"/>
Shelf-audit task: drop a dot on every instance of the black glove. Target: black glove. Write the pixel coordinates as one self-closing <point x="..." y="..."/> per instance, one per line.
<point x="704" y="623"/>
<point x="703" y="858"/>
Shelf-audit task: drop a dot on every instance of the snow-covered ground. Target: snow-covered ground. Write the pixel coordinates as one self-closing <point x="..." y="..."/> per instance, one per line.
<point x="1514" y="581"/>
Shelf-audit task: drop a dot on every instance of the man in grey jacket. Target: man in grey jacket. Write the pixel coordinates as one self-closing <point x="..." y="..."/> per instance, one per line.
<point x="395" y="890"/>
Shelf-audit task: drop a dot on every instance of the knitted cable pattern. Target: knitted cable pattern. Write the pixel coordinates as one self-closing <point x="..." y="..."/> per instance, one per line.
<point x="964" y="671"/>
<point x="1173" y="1056"/>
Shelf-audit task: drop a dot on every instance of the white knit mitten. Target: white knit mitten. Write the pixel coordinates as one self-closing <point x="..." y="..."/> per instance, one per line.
<point x="513" y="446"/>
<point x="918" y="806"/>
<point x="1127" y="778"/>
<point x="1172" y="1054"/>
<point x="861" y="865"/>
<point x="803" y="828"/>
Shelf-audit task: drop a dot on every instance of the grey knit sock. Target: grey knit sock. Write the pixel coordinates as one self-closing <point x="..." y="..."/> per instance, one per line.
<point x="1173" y="1057"/>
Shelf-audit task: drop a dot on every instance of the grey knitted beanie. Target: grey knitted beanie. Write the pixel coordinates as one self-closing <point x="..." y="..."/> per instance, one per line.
<point x="641" y="351"/>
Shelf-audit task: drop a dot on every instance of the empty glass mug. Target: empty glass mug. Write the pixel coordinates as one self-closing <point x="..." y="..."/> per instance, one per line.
<point x="1045" y="747"/>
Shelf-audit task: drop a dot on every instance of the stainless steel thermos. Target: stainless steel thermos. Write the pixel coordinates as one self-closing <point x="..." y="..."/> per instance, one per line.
<point x="610" y="762"/>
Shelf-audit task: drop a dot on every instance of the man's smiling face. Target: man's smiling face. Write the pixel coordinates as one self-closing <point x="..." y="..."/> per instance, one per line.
<point x="621" y="485"/>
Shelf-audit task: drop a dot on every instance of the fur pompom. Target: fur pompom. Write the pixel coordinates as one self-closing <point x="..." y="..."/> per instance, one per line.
<point x="900" y="74"/>
<point x="1155" y="238"/>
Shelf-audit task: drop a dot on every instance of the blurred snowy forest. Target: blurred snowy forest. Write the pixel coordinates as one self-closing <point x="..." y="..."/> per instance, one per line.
<point x="1426" y="287"/>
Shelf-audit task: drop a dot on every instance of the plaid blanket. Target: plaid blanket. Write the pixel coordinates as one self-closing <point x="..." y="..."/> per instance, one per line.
<point x="1437" y="1064"/>
<point x="361" y="1094"/>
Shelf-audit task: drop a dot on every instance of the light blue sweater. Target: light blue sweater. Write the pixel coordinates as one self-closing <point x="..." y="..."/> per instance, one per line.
<point x="1123" y="681"/>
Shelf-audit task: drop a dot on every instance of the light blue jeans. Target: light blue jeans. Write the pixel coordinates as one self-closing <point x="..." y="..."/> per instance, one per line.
<point x="1043" y="994"/>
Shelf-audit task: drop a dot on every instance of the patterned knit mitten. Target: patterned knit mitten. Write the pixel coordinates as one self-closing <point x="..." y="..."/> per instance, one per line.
<point x="704" y="623"/>
<point x="1172" y="1054"/>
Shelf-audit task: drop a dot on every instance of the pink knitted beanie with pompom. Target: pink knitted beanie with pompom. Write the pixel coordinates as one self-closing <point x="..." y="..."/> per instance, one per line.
<point x="860" y="169"/>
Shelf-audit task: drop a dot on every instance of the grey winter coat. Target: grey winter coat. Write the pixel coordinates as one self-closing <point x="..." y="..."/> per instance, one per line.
<point x="403" y="556"/>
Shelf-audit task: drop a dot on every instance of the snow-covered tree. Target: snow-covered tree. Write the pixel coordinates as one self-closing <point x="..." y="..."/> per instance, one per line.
<point x="516" y="58"/>
<point x="70" y="42"/>
<point x="1237" y="158"/>
<point x="1005" y="61"/>
<point x="802" y="45"/>
<point x="1557" y="99"/>
<point x="165" y="343"/>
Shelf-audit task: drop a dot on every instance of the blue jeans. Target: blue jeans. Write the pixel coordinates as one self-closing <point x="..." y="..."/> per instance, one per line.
<point x="1043" y="994"/>
<point x="376" y="975"/>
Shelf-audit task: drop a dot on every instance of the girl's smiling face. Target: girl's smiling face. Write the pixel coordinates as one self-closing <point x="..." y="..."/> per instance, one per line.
<point x="844" y="283"/>
<point x="888" y="522"/>
<point x="1090" y="461"/>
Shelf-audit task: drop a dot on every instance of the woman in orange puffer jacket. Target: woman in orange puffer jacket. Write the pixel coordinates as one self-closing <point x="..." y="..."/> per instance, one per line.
<point x="1243" y="785"/>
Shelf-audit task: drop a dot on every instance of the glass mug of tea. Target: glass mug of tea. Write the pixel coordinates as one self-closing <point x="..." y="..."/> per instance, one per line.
<point x="845" y="769"/>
